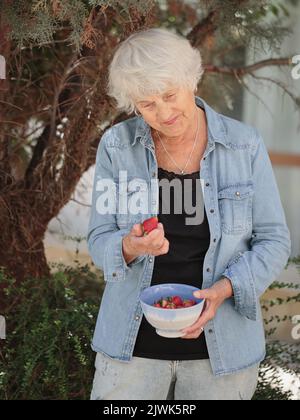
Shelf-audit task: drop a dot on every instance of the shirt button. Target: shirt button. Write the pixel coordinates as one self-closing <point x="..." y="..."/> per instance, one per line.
<point x="208" y="270"/>
<point x="210" y="331"/>
<point x="215" y="239"/>
<point x="114" y="274"/>
<point x="207" y="184"/>
<point x="150" y="259"/>
<point x="154" y="174"/>
<point x="238" y="193"/>
<point x="137" y="318"/>
<point x="212" y="211"/>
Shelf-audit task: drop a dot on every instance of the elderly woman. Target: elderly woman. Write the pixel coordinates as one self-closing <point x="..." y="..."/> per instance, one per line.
<point x="232" y="252"/>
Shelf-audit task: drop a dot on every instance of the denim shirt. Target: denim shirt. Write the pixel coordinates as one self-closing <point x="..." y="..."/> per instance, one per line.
<point x="250" y="241"/>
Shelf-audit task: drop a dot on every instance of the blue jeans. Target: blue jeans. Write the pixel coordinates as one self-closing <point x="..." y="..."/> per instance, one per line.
<point x="155" y="379"/>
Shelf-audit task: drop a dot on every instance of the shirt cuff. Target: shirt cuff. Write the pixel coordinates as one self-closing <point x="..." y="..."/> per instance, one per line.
<point x="238" y="272"/>
<point x="115" y="266"/>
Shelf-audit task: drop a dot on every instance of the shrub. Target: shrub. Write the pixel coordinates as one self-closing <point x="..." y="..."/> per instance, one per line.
<point x="285" y="356"/>
<point x="47" y="353"/>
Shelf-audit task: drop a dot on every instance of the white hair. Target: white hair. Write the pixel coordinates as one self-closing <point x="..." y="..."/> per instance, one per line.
<point x="148" y="62"/>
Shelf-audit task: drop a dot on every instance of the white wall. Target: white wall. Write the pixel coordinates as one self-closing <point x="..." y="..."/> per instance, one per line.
<point x="72" y="221"/>
<point x="279" y="123"/>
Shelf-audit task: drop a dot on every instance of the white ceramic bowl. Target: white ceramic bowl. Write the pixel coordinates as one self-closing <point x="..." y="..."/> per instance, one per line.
<point x="169" y="322"/>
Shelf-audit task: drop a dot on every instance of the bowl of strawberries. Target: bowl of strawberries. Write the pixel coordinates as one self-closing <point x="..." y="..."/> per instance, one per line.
<point x="171" y="307"/>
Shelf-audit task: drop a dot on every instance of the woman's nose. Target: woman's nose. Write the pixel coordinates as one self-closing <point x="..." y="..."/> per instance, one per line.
<point x="164" y="114"/>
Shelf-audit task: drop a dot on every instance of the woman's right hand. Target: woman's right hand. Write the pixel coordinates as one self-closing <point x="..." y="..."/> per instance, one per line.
<point x="135" y="244"/>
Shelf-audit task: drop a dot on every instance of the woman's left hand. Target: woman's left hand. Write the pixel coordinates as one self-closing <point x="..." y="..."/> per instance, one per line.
<point x="214" y="297"/>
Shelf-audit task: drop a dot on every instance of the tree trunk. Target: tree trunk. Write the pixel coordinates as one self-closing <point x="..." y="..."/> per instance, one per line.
<point x="21" y="263"/>
<point x="22" y="252"/>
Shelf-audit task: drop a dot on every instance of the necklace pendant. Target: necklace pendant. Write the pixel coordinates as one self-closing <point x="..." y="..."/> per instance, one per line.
<point x="182" y="172"/>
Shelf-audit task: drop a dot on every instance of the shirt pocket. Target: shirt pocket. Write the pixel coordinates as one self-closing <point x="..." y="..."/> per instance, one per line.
<point x="235" y="205"/>
<point x="130" y="193"/>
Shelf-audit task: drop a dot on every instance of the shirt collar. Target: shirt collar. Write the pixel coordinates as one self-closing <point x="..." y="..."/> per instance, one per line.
<point x="216" y="129"/>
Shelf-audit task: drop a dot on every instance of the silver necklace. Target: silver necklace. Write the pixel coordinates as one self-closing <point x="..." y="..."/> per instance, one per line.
<point x="182" y="171"/>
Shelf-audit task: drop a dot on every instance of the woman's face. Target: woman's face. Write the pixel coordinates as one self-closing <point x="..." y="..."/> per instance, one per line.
<point x="157" y="110"/>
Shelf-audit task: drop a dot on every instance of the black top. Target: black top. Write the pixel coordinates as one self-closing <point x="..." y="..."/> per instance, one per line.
<point x="182" y="264"/>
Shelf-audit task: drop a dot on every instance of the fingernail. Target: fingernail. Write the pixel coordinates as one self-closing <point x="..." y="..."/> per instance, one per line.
<point x="197" y="294"/>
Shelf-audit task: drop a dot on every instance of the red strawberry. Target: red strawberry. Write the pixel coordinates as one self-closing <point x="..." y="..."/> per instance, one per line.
<point x="149" y="224"/>
<point x="177" y="300"/>
<point x="174" y="302"/>
<point x="171" y="306"/>
<point x="164" y="303"/>
<point x="188" y="302"/>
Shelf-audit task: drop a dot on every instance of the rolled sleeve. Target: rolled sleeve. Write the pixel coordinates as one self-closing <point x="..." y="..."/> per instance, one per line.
<point x="253" y="271"/>
<point x="104" y="238"/>
<point x="243" y="286"/>
<point x="114" y="264"/>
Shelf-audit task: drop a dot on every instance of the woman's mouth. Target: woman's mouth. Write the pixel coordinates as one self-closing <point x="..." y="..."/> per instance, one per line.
<point x="170" y="122"/>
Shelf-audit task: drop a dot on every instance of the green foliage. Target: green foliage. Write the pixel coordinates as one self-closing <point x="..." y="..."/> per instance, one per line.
<point x="35" y="22"/>
<point x="259" y="24"/>
<point x="47" y="353"/>
<point x="285" y="356"/>
<point x="270" y="385"/>
<point x="279" y="355"/>
<point x="29" y="24"/>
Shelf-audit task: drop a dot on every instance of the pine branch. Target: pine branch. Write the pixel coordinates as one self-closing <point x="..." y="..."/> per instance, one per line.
<point x="278" y="83"/>
<point x="241" y="71"/>
<point x="37" y="155"/>
<point x="242" y="81"/>
<point x="204" y="29"/>
<point x="46" y="153"/>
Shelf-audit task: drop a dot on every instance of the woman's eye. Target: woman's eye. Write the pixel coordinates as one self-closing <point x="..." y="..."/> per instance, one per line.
<point x="168" y="97"/>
